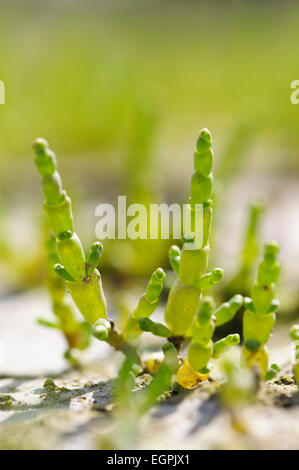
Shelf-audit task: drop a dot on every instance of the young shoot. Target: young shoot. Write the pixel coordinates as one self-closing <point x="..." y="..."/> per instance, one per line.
<point x="259" y="317"/>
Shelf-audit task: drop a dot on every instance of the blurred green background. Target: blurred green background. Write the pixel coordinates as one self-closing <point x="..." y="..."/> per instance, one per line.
<point x="121" y="88"/>
<point x="75" y="71"/>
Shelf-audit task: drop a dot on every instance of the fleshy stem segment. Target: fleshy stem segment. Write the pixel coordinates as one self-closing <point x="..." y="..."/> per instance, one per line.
<point x="202" y="348"/>
<point x="139" y="320"/>
<point x="190" y="264"/>
<point x="259" y="317"/>
<point x="183" y="316"/>
<point x="77" y="333"/>
<point x="82" y="278"/>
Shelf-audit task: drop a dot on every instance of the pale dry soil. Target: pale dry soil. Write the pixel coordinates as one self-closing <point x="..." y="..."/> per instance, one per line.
<point x="46" y="405"/>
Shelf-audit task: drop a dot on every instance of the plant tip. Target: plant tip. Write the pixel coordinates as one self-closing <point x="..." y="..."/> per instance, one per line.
<point x="160" y="273"/>
<point x="40" y="145"/>
<point x="205" y="135"/>
<point x="272" y="248"/>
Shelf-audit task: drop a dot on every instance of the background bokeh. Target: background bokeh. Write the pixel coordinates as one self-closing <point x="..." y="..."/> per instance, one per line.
<point x="120" y="90"/>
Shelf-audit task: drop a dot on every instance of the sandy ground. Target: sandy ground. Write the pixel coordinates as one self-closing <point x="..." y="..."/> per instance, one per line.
<point x="78" y="413"/>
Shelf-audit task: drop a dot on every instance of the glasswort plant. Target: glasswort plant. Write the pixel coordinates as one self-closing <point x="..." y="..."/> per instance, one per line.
<point x="184" y="315"/>
<point x="259" y="317"/>
<point x="81" y="276"/>
<point x="188" y="316"/>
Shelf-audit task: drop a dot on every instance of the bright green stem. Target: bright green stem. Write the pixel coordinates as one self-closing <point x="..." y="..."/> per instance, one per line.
<point x="62" y="272"/>
<point x="227" y="310"/>
<point x="294" y="333"/>
<point x="263" y="290"/>
<point x="150" y="300"/>
<point x="259" y="319"/>
<point x="296" y="368"/>
<point x="146" y="305"/>
<point x="174" y="255"/>
<point x="71" y="254"/>
<point x="257" y="359"/>
<point x="181" y="307"/>
<point x="57" y="204"/>
<point x="272" y="372"/>
<point x="258" y="327"/>
<point x="155" y="286"/>
<point x="82" y="279"/>
<point x="48" y="324"/>
<point x="202" y="349"/>
<point x="76" y="333"/>
<point x="60" y="215"/>
<point x="203" y="326"/>
<point x="224" y="344"/>
<point x="199" y="355"/>
<point x="93" y="257"/>
<point x="157" y="329"/>
<point x="205" y="311"/>
<point x="185" y="293"/>
<point x="193" y="264"/>
<point x="89" y="297"/>
<point x="210" y="279"/>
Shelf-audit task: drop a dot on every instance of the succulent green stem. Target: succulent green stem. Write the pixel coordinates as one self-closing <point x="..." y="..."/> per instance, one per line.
<point x="210" y="279"/>
<point x="77" y="333"/>
<point x="227" y="310"/>
<point x="157" y="329"/>
<point x="202" y="348"/>
<point x="174" y="255"/>
<point x="224" y="344"/>
<point x="93" y="257"/>
<point x="82" y="279"/>
<point x="147" y="304"/>
<point x="191" y="263"/>
<point x="259" y="317"/>
<point x="62" y="272"/>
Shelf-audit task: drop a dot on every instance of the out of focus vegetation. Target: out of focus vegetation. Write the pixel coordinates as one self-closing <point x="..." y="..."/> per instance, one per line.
<point x="76" y="71"/>
<point x="121" y="88"/>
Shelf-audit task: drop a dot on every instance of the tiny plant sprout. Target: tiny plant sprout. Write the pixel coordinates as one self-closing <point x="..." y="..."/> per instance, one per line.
<point x="294" y="334"/>
<point x="147" y="304"/>
<point x="259" y="317"/>
<point x="101" y="329"/>
<point x="93" y="257"/>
